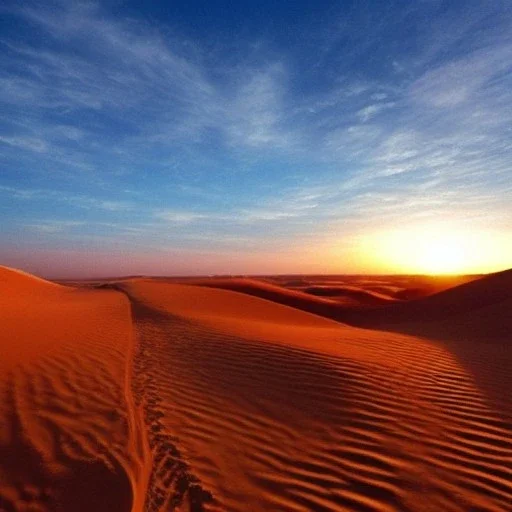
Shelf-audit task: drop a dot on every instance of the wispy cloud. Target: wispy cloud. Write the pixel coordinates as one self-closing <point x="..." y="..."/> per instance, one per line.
<point x="366" y="113"/>
<point x="78" y="201"/>
<point x="131" y="70"/>
<point x="54" y="226"/>
<point x="464" y="79"/>
<point x="182" y="217"/>
<point x="256" y="112"/>
<point x="30" y="143"/>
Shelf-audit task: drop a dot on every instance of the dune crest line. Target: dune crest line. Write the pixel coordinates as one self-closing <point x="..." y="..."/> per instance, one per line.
<point x="170" y="482"/>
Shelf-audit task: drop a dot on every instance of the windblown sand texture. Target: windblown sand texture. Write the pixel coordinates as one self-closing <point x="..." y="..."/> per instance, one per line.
<point x="231" y="395"/>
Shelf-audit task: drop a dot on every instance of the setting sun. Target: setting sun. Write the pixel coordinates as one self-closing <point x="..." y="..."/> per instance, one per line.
<point x="442" y="254"/>
<point x="440" y="249"/>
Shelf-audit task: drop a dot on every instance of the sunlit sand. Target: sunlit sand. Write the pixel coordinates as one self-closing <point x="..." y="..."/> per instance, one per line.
<point x="296" y="393"/>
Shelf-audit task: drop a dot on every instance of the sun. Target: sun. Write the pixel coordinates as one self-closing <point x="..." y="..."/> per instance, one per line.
<point x="439" y="249"/>
<point x="442" y="254"/>
<point x="455" y="247"/>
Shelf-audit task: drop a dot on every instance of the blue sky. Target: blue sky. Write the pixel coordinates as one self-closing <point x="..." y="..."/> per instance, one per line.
<point x="237" y="137"/>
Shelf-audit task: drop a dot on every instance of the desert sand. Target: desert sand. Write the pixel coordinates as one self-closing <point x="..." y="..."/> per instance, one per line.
<point x="244" y="394"/>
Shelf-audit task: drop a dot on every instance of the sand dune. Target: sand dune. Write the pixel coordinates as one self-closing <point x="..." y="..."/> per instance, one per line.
<point x="358" y="295"/>
<point x="318" y="416"/>
<point x="336" y="292"/>
<point x="65" y="437"/>
<point x="339" y="292"/>
<point x="289" y="297"/>
<point x="149" y="395"/>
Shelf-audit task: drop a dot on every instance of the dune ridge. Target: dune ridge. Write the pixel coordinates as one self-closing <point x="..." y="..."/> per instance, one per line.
<point x="14" y="282"/>
<point x="145" y="395"/>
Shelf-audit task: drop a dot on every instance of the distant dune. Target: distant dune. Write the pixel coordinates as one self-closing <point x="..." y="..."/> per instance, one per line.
<point x="241" y="395"/>
<point x="366" y="297"/>
<point x="374" y="308"/>
<point x="294" y="298"/>
<point x="400" y="287"/>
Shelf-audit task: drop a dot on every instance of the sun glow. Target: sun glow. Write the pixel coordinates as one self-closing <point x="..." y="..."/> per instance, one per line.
<point x="441" y="249"/>
<point x="442" y="254"/>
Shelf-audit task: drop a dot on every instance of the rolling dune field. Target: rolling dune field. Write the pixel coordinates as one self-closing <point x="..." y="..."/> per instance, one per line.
<point x="242" y="395"/>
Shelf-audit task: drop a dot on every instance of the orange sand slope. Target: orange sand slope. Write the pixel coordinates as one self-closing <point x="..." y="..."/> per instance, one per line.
<point x="67" y="441"/>
<point x="157" y="396"/>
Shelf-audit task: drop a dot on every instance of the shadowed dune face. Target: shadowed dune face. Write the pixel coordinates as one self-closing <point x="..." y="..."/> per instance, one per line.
<point x="462" y="299"/>
<point x="144" y="395"/>
<point x="474" y="322"/>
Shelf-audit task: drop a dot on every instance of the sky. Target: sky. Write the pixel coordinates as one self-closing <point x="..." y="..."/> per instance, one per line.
<point x="228" y="137"/>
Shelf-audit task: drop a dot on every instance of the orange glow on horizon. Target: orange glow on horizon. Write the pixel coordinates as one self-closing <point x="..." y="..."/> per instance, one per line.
<point x="438" y="249"/>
